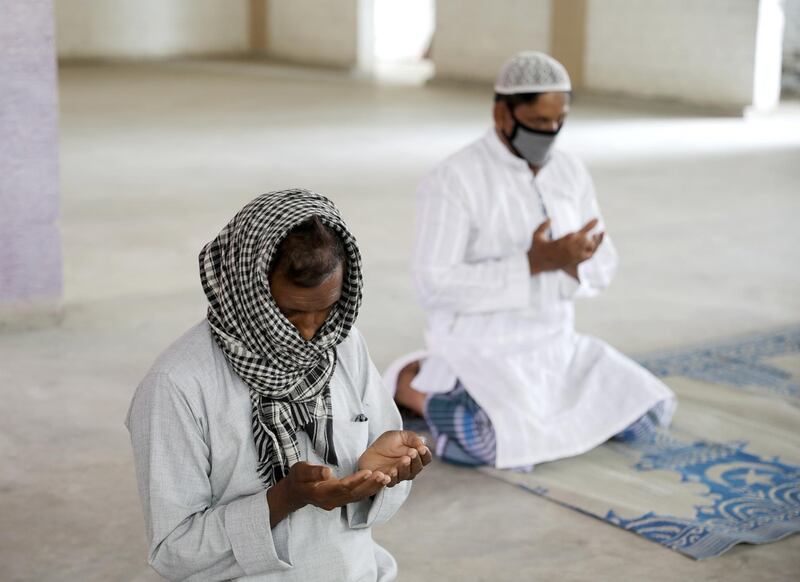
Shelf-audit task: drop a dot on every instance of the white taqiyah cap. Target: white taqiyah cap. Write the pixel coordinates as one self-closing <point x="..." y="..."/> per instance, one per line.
<point x="532" y="72"/>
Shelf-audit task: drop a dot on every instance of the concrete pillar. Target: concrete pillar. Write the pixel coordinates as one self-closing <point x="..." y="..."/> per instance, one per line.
<point x="30" y="242"/>
<point x="568" y="37"/>
<point x="258" y="26"/>
<point x="473" y="38"/>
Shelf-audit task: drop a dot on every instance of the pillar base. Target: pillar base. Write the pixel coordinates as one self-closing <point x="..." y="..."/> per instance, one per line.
<point x="30" y="315"/>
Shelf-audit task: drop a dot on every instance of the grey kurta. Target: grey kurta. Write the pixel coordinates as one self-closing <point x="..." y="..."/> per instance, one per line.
<point x="206" y="512"/>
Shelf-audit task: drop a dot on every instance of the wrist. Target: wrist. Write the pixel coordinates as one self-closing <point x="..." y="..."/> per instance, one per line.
<point x="361" y="465"/>
<point x="288" y="496"/>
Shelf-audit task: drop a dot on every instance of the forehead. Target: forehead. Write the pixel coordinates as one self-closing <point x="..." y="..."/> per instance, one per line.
<point x="546" y="105"/>
<point x="291" y="297"/>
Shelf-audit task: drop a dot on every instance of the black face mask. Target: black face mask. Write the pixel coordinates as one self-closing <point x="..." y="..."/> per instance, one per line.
<point x="531" y="144"/>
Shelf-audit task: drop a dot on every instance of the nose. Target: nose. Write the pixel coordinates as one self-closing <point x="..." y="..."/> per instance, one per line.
<point x="308" y="325"/>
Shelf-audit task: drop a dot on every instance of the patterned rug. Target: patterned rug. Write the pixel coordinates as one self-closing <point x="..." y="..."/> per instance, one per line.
<point x="726" y="472"/>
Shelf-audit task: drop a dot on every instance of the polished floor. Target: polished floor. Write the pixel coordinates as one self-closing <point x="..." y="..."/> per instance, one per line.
<point x="155" y="158"/>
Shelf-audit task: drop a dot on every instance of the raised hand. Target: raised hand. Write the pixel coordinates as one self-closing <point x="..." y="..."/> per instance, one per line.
<point x="566" y="252"/>
<point x="579" y="246"/>
<point x="400" y="454"/>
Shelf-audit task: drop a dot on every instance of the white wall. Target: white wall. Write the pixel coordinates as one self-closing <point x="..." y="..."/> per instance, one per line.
<point x="150" y="28"/>
<point x="323" y="32"/>
<point x="696" y="50"/>
<point x="718" y="52"/>
<point x="474" y="38"/>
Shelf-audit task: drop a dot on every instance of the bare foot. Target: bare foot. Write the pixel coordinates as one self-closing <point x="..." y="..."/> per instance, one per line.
<point x="407" y="396"/>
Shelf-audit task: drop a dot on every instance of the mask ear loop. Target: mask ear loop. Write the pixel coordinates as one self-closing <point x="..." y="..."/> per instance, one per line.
<point x="510" y="137"/>
<point x="513" y="134"/>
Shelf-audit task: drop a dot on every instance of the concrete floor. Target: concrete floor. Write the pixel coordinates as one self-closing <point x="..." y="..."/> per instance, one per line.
<point x="156" y="158"/>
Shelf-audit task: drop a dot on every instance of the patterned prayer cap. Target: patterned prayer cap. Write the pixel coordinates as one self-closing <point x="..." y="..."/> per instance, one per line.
<point x="532" y="72"/>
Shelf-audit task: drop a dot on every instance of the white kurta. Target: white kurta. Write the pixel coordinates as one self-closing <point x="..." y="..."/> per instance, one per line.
<point x="509" y="336"/>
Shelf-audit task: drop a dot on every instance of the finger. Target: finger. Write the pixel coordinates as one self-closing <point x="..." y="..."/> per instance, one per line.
<point x="356" y="479"/>
<point x="541" y="230"/>
<point x="589" y="226"/>
<point x="412" y="439"/>
<point x="416" y="467"/>
<point x="422" y="451"/>
<point x="404" y="469"/>
<point x="329" y="494"/>
<point x="307" y="473"/>
<point x="427" y="456"/>
<point x="419" y="448"/>
<point x="573" y="240"/>
<point x="380" y="477"/>
<point x="366" y="489"/>
<point x="598" y="238"/>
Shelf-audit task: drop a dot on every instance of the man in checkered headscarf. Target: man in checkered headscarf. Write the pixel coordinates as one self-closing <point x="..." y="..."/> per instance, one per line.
<point x="269" y="405"/>
<point x="288" y="375"/>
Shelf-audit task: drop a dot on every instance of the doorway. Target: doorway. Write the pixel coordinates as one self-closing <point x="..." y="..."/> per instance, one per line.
<point x="396" y="40"/>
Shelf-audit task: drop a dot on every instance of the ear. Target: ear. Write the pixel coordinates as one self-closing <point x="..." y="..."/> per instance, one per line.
<point x="502" y="118"/>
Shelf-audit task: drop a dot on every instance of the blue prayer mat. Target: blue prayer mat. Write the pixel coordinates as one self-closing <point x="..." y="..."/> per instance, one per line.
<point x="726" y="472"/>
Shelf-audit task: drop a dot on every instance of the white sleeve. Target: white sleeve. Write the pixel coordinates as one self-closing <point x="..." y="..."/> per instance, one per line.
<point x="443" y="277"/>
<point x="383" y="416"/>
<point x="190" y="538"/>
<point x="595" y="274"/>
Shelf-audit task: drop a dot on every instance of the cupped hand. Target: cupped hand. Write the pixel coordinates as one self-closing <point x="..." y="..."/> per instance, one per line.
<point x="400" y="454"/>
<point x="566" y="252"/>
<point x="580" y="245"/>
<point x="315" y="485"/>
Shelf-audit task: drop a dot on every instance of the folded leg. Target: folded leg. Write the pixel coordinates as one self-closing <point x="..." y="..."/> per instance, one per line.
<point x="645" y="427"/>
<point x="463" y="432"/>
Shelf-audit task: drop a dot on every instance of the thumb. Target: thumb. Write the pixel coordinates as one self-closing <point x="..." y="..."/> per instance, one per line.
<point x="310" y="473"/>
<point x="542" y="229"/>
<point x="589" y="226"/>
<point x="415" y="441"/>
<point x="412" y="439"/>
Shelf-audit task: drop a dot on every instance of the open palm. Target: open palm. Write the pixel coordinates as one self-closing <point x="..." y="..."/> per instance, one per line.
<point x="400" y="454"/>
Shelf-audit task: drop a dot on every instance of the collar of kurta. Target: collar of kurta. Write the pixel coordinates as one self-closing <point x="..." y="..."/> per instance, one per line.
<point x="502" y="153"/>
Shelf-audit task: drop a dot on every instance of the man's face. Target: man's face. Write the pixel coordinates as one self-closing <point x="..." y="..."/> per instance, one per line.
<point x="306" y="308"/>
<point x="546" y="113"/>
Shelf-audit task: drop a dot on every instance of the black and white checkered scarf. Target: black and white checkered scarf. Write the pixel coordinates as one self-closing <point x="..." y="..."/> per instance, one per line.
<point x="288" y="377"/>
